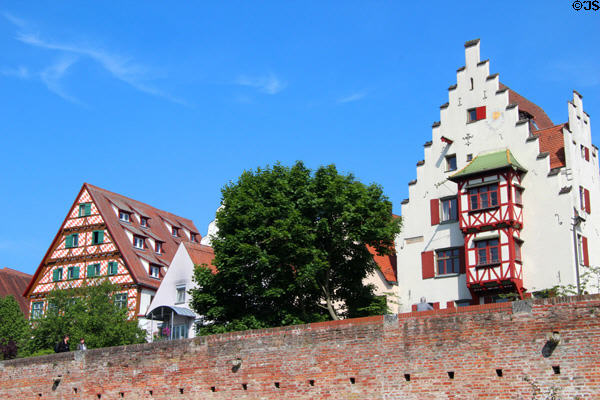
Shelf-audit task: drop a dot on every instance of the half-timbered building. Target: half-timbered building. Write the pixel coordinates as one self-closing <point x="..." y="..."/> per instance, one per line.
<point x="505" y="202"/>
<point x="107" y="235"/>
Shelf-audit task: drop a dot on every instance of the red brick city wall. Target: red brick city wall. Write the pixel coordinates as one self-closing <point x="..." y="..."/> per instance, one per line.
<point x="480" y="352"/>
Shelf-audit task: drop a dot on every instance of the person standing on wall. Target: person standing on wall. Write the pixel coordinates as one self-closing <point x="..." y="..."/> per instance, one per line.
<point x="63" y="345"/>
<point x="82" y="345"/>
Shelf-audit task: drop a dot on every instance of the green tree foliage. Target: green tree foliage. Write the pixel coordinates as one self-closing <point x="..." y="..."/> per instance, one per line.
<point x="291" y="248"/>
<point x="14" y="328"/>
<point x="88" y="312"/>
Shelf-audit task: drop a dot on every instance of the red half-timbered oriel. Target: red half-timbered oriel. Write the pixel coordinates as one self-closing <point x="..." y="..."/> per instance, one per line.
<point x="491" y="218"/>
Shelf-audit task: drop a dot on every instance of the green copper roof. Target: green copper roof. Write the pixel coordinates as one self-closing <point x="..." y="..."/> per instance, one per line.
<point x="489" y="162"/>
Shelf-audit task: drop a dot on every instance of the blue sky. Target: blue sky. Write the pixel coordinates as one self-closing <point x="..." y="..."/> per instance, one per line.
<point x="167" y="103"/>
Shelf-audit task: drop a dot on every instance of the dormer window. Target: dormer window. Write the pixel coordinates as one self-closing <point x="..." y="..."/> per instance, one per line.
<point x="155" y="271"/>
<point x="144" y="222"/>
<point x="158" y="247"/>
<point x="138" y="242"/>
<point x="175" y="231"/>
<point x="124" y="216"/>
<point x="192" y="237"/>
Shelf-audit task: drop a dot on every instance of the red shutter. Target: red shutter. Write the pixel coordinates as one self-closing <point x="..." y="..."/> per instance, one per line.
<point x="586" y="259"/>
<point x="462" y="254"/>
<point x="587" y="154"/>
<point x="435" y="211"/>
<point x="414" y="307"/>
<point x="436" y="305"/>
<point x="427" y="264"/>
<point x="480" y="111"/>
<point x="449" y="304"/>
<point x="586" y="194"/>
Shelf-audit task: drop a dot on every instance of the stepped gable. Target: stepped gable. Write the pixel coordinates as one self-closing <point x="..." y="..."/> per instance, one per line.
<point x="13" y="282"/>
<point x="539" y="115"/>
<point x="201" y="254"/>
<point x="552" y="141"/>
<point x="157" y="230"/>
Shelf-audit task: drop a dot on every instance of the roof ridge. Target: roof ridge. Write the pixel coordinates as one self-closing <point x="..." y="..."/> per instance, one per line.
<point x="550" y="127"/>
<point x="14" y="271"/>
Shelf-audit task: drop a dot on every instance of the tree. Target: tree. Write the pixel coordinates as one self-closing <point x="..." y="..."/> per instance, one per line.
<point x="14" y="328"/>
<point x="87" y="312"/>
<point x="291" y="248"/>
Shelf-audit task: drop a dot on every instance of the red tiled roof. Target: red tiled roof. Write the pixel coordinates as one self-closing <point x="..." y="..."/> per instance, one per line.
<point x="103" y="199"/>
<point x="13" y="282"/>
<point x="551" y="140"/>
<point x="201" y="254"/>
<point x="386" y="263"/>
<point x="539" y="115"/>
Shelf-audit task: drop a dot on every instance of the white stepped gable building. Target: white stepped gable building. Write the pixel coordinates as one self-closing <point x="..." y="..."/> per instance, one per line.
<point x="504" y="201"/>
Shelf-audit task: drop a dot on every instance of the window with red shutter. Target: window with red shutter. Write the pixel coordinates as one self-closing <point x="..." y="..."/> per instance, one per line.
<point x="427" y="264"/>
<point x="586" y="194"/>
<point x="480" y="113"/>
<point x="584" y="245"/>
<point x="435" y="211"/>
<point x="587" y="154"/>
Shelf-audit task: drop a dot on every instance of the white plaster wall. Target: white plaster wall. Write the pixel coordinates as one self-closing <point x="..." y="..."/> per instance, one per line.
<point x="382" y="287"/>
<point x="547" y="252"/>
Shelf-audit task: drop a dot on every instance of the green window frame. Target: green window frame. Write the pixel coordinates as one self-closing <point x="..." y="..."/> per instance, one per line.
<point x="93" y="270"/>
<point x="120" y="300"/>
<point x="85" y="209"/>
<point x="72" y="240"/>
<point x="57" y="275"/>
<point x="37" y="309"/>
<point x="98" y="237"/>
<point x="113" y="268"/>
<point x="73" y="273"/>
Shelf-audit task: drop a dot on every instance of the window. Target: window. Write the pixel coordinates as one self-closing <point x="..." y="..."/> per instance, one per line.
<point x="517" y="250"/>
<point x="175" y="231"/>
<point x="57" y="275"/>
<point x="488" y="252"/>
<point x="469" y="157"/>
<point x="85" y="209"/>
<point x="37" y="309"/>
<point x="180" y="295"/>
<point x="192" y="237"/>
<point x="72" y="240"/>
<point x="448" y="261"/>
<point x="158" y="247"/>
<point x="124" y="216"/>
<point x="585" y="153"/>
<point x="73" y="273"/>
<point x="180" y="332"/>
<point x="449" y="209"/>
<point x="483" y="197"/>
<point x="113" y="268"/>
<point x="93" y="270"/>
<point x="584" y="199"/>
<point x="475" y="114"/>
<point x="144" y="222"/>
<point x="138" y="242"/>
<point x="582" y="250"/>
<point x="98" y="237"/>
<point x="155" y="271"/>
<point x="518" y="196"/>
<point x="120" y="300"/>
<point x="451" y="162"/>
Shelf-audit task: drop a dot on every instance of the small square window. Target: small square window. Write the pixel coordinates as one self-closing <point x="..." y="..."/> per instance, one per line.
<point x="451" y="162"/>
<point x="519" y="196"/>
<point x="475" y="114"/>
<point x="193" y="237"/>
<point x="469" y="157"/>
<point x="180" y="295"/>
<point x="85" y="209"/>
<point x="144" y="222"/>
<point x="124" y="216"/>
<point x="73" y="273"/>
<point x="155" y="271"/>
<point x="517" y="250"/>
<point x="72" y="241"/>
<point x="158" y="247"/>
<point x="449" y="209"/>
<point x="97" y="237"/>
<point x="57" y="275"/>
<point x="175" y="231"/>
<point x="120" y="300"/>
<point x="93" y="270"/>
<point x="37" y="309"/>
<point x="138" y="242"/>
<point x="113" y="268"/>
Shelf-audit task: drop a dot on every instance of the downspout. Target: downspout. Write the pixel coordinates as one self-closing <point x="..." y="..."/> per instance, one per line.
<point x="576" y="222"/>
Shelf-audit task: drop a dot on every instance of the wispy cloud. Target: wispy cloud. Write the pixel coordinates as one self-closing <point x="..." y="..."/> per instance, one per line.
<point x="20" y="72"/>
<point x="52" y="75"/>
<point x="120" y="67"/>
<point x="352" y="97"/>
<point x="269" y="84"/>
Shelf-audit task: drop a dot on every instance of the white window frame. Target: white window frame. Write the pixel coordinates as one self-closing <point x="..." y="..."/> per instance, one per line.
<point x="154" y="268"/>
<point x="446" y="216"/>
<point x="179" y="299"/>
<point x="124" y="216"/>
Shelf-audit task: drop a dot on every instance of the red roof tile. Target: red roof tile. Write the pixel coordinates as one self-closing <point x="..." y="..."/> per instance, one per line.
<point x="539" y="115"/>
<point x="13" y="282"/>
<point x="387" y="264"/>
<point x="201" y="254"/>
<point x="551" y="140"/>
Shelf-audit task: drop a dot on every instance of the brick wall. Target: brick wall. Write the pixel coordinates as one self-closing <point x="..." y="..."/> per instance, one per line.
<point x="497" y="351"/>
